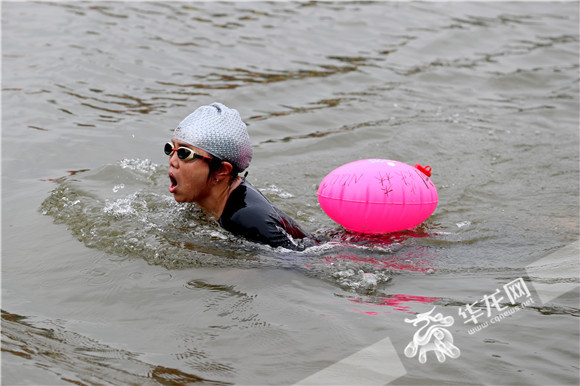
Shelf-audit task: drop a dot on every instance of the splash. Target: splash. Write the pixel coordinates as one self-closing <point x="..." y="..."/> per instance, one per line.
<point x="137" y="220"/>
<point x="124" y="210"/>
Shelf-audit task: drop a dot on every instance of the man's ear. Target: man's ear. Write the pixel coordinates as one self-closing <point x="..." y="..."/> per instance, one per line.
<point x="224" y="171"/>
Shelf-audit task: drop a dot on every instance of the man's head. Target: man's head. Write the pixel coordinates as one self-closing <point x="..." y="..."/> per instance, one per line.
<point x="220" y="131"/>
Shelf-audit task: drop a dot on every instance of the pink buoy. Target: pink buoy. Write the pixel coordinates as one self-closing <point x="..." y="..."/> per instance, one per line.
<point x="378" y="195"/>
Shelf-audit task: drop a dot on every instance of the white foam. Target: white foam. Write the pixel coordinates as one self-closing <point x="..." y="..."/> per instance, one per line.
<point x="121" y="206"/>
<point x="143" y="166"/>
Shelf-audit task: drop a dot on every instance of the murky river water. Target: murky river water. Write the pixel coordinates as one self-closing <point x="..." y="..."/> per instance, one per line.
<point x="106" y="280"/>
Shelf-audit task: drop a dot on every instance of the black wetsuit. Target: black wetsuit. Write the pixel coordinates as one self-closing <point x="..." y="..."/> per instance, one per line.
<point x="251" y="215"/>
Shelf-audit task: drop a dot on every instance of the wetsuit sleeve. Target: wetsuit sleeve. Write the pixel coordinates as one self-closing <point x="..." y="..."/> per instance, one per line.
<point x="266" y="230"/>
<point x="249" y="214"/>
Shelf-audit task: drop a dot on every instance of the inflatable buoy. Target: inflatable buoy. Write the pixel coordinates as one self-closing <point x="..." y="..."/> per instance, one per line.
<point x="378" y="195"/>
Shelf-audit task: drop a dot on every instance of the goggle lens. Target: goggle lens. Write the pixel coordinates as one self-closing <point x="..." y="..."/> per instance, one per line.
<point x="168" y="149"/>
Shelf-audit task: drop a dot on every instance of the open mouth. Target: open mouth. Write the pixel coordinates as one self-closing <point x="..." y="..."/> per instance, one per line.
<point x="173" y="183"/>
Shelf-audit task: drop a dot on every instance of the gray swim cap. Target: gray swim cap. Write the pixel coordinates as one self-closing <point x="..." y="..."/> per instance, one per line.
<point x="220" y="131"/>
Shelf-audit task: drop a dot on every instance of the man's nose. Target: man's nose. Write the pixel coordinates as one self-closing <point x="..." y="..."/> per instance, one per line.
<point x="174" y="160"/>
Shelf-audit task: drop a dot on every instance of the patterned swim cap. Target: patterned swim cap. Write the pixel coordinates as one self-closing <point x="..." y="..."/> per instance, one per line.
<point x="220" y="131"/>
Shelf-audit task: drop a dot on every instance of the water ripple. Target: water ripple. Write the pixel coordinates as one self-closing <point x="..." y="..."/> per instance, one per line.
<point x="139" y="221"/>
<point x="239" y="77"/>
<point x="72" y="357"/>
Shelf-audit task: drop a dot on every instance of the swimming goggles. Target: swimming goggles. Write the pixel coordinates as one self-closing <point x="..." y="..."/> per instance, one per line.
<point x="184" y="153"/>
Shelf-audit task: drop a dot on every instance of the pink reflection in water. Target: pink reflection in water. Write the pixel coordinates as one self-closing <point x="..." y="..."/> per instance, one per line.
<point x="415" y="258"/>
<point x="396" y="301"/>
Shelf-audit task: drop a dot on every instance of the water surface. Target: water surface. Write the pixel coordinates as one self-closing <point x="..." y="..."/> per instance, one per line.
<point x="105" y="279"/>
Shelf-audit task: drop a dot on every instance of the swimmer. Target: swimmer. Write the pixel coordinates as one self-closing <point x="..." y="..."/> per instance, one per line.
<point x="210" y="147"/>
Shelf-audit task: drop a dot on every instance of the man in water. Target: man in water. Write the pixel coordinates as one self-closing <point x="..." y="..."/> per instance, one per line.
<point x="210" y="147"/>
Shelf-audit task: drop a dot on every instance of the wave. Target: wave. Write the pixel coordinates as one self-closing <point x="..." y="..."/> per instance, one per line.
<point x="122" y="209"/>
